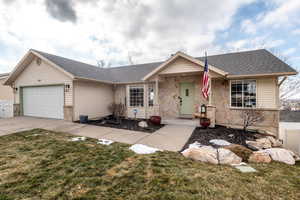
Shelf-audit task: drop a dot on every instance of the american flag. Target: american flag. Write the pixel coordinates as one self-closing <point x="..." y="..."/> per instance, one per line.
<point x="205" y="80"/>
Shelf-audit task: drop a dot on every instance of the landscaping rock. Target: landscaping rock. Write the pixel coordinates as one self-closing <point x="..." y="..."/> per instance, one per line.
<point x="143" y="124"/>
<point x="240" y="151"/>
<point x="260" y="157"/>
<point x="259" y="144"/>
<point x="274" y="142"/>
<point x="195" y="144"/>
<point x="281" y="155"/>
<point x="227" y="157"/>
<point x="204" y="154"/>
<point x="219" y="142"/>
<point x="295" y="156"/>
<point x="211" y="155"/>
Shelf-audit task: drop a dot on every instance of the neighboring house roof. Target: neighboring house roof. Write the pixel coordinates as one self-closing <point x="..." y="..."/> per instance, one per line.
<point x="256" y="62"/>
<point x="4" y="75"/>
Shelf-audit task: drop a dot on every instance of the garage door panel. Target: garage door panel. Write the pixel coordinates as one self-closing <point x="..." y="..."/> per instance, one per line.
<point x="45" y="102"/>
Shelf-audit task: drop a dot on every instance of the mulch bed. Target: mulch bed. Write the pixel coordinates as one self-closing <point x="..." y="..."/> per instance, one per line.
<point x="127" y="124"/>
<point x="234" y="136"/>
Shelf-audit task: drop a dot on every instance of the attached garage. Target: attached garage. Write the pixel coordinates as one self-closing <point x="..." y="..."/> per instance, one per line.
<point x="43" y="101"/>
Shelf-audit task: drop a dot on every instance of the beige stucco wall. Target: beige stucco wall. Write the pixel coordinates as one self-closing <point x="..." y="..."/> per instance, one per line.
<point x="6" y="92"/>
<point x="92" y="99"/>
<point x="184" y="66"/>
<point x="43" y="74"/>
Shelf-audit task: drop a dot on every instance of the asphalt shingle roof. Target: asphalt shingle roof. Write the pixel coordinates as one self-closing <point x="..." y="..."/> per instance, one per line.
<point x="241" y="63"/>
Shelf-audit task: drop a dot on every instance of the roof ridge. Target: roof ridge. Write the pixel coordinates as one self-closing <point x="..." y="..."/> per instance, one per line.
<point x="66" y="58"/>
<point x="237" y="52"/>
<point x="149" y="63"/>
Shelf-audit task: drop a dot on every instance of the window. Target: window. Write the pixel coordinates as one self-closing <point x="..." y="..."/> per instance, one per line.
<point x="243" y="93"/>
<point x="151" y="94"/>
<point x="136" y="96"/>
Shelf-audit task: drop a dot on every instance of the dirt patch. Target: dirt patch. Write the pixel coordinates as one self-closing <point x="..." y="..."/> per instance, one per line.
<point x="127" y="124"/>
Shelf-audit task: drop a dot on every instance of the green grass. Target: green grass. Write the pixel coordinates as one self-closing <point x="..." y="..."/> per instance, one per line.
<point x="49" y="166"/>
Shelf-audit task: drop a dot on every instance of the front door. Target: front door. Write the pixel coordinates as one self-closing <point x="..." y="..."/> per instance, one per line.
<point x="187" y="98"/>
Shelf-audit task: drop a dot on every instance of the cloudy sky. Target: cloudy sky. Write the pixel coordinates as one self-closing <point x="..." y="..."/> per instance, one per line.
<point x="146" y="30"/>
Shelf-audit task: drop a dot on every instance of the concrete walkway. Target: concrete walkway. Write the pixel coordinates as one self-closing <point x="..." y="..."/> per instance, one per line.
<point x="170" y="137"/>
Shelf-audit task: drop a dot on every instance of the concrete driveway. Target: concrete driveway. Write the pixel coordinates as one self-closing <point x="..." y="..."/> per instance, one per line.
<point x="170" y="137"/>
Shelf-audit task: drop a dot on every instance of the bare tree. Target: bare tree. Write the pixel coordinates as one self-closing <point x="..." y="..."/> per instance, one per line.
<point x="130" y="59"/>
<point x="103" y="64"/>
<point x="251" y="117"/>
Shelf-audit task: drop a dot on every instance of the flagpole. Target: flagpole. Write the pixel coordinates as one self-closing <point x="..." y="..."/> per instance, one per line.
<point x="210" y="86"/>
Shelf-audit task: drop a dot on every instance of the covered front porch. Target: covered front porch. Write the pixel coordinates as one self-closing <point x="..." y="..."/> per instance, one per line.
<point x="179" y="99"/>
<point x="173" y="91"/>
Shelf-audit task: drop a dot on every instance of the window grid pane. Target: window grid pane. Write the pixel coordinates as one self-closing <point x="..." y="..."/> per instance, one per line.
<point x="243" y="93"/>
<point x="136" y="96"/>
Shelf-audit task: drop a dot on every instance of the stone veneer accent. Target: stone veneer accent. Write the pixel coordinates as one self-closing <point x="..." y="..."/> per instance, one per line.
<point x="17" y="111"/>
<point x="68" y="113"/>
<point x="169" y="91"/>
<point x="231" y="117"/>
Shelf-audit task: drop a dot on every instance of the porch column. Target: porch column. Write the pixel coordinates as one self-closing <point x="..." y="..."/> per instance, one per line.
<point x="156" y="96"/>
<point x="210" y="93"/>
<point x="156" y="91"/>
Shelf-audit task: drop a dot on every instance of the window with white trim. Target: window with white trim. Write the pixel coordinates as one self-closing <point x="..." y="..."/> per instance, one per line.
<point x="151" y="94"/>
<point x="243" y="93"/>
<point x="136" y="96"/>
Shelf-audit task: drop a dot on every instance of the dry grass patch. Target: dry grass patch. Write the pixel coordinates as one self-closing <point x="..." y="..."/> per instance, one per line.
<point x="49" y="166"/>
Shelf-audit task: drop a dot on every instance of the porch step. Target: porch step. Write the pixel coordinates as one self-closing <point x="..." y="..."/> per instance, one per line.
<point x="183" y="122"/>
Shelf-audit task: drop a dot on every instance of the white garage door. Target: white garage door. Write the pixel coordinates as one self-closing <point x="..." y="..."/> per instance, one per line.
<point x="45" y="102"/>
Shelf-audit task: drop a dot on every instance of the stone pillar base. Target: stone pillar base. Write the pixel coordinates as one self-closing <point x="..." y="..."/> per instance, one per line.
<point x="17" y="110"/>
<point x="68" y="113"/>
<point x="211" y="114"/>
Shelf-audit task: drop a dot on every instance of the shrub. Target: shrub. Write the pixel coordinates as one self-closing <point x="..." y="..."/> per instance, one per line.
<point x="117" y="109"/>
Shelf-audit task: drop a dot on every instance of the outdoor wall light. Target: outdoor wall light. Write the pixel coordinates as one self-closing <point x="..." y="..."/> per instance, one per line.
<point x="67" y="87"/>
<point x="15" y="89"/>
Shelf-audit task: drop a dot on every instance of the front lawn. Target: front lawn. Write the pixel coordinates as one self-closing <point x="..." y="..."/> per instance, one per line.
<point x="40" y="164"/>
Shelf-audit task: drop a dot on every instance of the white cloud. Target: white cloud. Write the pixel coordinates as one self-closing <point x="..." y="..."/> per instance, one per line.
<point x="248" y="26"/>
<point x="254" y="43"/>
<point x="286" y="13"/>
<point x="149" y="30"/>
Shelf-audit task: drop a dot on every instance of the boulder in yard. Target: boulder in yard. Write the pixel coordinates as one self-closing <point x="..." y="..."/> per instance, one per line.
<point x="281" y="155"/>
<point x="274" y="142"/>
<point x="211" y="155"/>
<point x="295" y="156"/>
<point x="143" y="124"/>
<point x="260" y="157"/>
<point x="195" y="144"/>
<point x="204" y="154"/>
<point x="240" y="151"/>
<point x="227" y="157"/>
<point x="262" y="143"/>
<point x="219" y="142"/>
